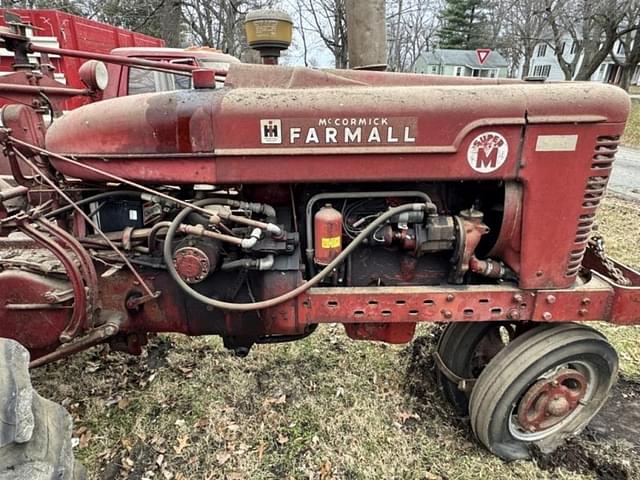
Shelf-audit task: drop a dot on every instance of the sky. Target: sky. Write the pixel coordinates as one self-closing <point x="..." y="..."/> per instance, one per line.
<point x="318" y="54"/>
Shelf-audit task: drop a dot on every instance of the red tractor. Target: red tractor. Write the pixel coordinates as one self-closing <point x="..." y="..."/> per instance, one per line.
<point x="291" y="197"/>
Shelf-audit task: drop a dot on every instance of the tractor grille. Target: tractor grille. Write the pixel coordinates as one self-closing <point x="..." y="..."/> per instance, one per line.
<point x="595" y="189"/>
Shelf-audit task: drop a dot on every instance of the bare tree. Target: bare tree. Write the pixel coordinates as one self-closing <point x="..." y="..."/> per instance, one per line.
<point x="326" y="19"/>
<point x="593" y="26"/>
<point x="602" y="26"/>
<point x="159" y="18"/>
<point x="630" y="42"/>
<point x="76" y="7"/>
<point x="303" y="34"/>
<point x="220" y="23"/>
<point x="522" y="29"/>
<point x="411" y="27"/>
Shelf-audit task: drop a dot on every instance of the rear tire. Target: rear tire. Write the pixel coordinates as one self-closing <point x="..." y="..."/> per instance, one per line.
<point x="35" y="433"/>
<point x="541" y="388"/>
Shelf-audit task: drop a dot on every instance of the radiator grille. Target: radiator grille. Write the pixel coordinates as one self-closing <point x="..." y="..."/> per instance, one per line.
<point x="603" y="156"/>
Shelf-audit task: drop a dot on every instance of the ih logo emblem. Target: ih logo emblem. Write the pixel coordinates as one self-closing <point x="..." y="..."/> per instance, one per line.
<point x="487" y="152"/>
<point x="271" y="131"/>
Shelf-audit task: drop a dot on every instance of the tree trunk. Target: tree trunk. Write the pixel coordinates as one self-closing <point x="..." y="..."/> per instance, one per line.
<point x="171" y="22"/>
<point x="632" y="58"/>
<point x="595" y="54"/>
<point x="625" y="76"/>
<point x="528" y="55"/>
<point x="367" y="32"/>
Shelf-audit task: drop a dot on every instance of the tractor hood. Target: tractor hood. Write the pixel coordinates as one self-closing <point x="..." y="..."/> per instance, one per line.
<point x="294" y="113"/>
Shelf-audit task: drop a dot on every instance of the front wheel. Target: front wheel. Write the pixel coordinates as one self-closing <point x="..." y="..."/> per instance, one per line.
<point x="543" y="387"/>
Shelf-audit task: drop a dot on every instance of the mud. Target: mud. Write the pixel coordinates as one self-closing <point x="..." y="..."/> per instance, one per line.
<point x="421" y="384"/>
<point x="157" y="353"/>
<point x="619" y="420"/>
<point x="585" y="458"/>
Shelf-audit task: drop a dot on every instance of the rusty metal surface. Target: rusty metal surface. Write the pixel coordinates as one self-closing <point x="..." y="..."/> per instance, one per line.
<point x="507" y="245"/>
<point x="221" y="123"/>
<point x="73" y="272"/>
<point x="455" y="304"/>
<point x="624" y="306"/>
<point x="556" y="202"/>
<point x="551" y="400"/>
<point x="27" y="288"/>
<point x="110" y="327"/>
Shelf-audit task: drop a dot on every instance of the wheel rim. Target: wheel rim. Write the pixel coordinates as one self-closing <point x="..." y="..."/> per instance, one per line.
<point x="555" y="399"/>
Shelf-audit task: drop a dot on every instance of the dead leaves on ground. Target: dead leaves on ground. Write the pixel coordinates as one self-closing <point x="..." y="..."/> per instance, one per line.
<point x="181" y="444"/>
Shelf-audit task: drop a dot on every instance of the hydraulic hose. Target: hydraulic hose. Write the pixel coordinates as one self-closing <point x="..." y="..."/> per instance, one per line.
<point x="259" y="208"/>
<point x="244" y="307"/>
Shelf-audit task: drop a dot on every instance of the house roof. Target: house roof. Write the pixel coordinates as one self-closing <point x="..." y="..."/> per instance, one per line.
<point x="441" y="56"/>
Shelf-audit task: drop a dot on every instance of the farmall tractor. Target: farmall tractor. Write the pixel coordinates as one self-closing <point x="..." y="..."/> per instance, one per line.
<point x="292" y="197"/>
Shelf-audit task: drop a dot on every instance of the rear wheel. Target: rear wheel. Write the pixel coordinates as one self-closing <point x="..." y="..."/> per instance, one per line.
<point x="541" y="388"/>
<point x="35" y="433"/>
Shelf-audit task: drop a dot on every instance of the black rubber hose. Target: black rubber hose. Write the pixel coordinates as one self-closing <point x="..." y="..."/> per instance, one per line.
<point x="94" y="198"/>
<point x="243" y="307"/>
<point x="236" y="264"/>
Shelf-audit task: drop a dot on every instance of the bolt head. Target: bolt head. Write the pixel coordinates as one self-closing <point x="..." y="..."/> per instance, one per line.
<point x="513" y="315"/>
<point x="551" y="299"/>
<point x="547" y="316"/>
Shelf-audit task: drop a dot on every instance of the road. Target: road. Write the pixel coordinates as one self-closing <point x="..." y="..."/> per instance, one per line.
<point x="625" y="178"/>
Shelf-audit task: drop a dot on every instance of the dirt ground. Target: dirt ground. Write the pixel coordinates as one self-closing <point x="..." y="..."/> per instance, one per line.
<point x="326" y="407"/>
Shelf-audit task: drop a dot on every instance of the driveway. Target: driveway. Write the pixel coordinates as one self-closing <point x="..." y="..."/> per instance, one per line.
<point x="625" y="178"/>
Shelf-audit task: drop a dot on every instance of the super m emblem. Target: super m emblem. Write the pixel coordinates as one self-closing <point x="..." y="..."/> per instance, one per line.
<point x="271" y="131"/>
<point x="487" y="152"/>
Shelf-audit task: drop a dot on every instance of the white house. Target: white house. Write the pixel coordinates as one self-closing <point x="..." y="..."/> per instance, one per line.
<point x="545" y="64"/>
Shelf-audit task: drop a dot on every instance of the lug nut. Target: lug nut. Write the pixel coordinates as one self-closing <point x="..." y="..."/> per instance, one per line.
<point x="551" y="299"/>
<point x="450" y="297"/>
<point x="447" y="314"/>
<point x="547" y="316"/>
<point x="517" y="298"/>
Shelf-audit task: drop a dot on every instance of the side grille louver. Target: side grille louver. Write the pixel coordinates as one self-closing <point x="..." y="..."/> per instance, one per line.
<point x="604" y="154"/>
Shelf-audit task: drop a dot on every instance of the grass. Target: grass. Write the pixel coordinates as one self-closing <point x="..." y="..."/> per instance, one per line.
<point x="631" y="137"/>
<point x="634" y="90"/>
<point x="326" y="407"/>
